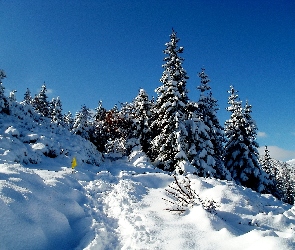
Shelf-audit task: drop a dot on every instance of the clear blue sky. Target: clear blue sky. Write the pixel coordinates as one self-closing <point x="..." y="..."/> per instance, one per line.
<point x="88" y="51"/>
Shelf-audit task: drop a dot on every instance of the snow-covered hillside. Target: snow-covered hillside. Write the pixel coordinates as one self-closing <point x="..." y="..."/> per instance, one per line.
<point x="119" y="204"/>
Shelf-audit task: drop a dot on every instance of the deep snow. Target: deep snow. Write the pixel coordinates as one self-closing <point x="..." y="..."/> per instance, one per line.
<point x="119" y="205"/>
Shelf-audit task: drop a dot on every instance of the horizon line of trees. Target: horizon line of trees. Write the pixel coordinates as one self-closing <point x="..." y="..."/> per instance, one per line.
<point x="176" y="133"/>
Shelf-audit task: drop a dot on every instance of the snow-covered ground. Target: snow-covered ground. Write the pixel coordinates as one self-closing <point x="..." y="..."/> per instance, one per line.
<point x="119" y="205"/>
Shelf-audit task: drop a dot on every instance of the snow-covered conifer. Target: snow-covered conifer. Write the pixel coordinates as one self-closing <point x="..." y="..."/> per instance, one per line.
<point x="130" y="127"/>
<point x="28" y="100"/>
<point x="68" y="120"/>
<point x="81" y="124"/>
<point x="2" y="74"/>
<point x="169" y="146"/>
<point x="269" y="167"/>
<point x="286" y="184"/>
<point x="206" y="137"/>
<point x="3" y="99"/>
<point x="241" y="154"/>
<point x="12" y="104"/>
<point x="141" y="119"/>
<point x="55" y="111"/>
<point x="12" y="96"/>
<point x="266" y="163"/>
<point x="40" y="102"/>
<point x="100" y="112"/>
<point x="99" y="136"/>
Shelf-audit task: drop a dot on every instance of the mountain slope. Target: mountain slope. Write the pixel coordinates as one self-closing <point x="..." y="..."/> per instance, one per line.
<point x="119" y="204"/>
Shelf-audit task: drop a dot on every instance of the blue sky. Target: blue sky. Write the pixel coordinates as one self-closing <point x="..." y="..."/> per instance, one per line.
<point x="88" y="51"/>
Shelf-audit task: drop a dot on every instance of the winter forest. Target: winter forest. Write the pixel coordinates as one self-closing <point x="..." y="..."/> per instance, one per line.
<point x="178" y="135"/>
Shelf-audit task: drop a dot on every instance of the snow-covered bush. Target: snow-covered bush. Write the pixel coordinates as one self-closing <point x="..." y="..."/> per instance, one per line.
<point x="36" y="140"/>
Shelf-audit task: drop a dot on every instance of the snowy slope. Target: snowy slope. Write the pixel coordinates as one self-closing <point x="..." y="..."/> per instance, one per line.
<point x="119" y="205"/>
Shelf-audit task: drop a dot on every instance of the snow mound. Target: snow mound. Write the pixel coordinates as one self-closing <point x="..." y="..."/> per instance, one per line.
<point x="27" y="141"/>
<point x="39" y="215"/>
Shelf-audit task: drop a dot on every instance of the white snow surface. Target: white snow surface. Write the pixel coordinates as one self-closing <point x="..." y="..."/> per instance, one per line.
<point x="119" y="204"/>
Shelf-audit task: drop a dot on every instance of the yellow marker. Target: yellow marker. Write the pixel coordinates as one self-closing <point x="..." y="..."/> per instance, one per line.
<point x="74" y="163"/>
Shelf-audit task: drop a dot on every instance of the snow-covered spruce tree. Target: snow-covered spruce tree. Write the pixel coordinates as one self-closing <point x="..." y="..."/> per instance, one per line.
<point x="200" y="148"/>
<point x="12" y="96"/>
<point x="3" y="99"/>
<point x="241" y="154"/>
<point x="99" y="136"/>
<point x="169" y="147"/>
<point x="217" y="139"/>
<point x="40" y="102"/>
<point x="2" y="75"/>
<point x="130" y="130"/>
<point x="286" y="183"/>
<point x="269" y="167"/>
<point x="81" y="123"/>
<point x="13" y="106"/>
<point x="266" y="162"/>
<point x="207" y="135"/>
<point x="28" y="100"/>
<point x="143" y="107"/>
<point x="268" y="184"/>
<point x="68" y="120"/>
<point x="55" y="111"/>
<point x="138" y="112"/>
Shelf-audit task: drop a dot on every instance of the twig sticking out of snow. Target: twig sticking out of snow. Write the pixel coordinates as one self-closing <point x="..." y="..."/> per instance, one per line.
<point x="182" y="196"/>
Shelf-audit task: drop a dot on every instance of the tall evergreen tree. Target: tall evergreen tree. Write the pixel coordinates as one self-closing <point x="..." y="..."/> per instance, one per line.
<point x="208" y="138"/>
<point x="217" y="139"/>
<point x="169" y="147"/>
<point x="267" y="182"/>
<point x="241" y="154"/>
